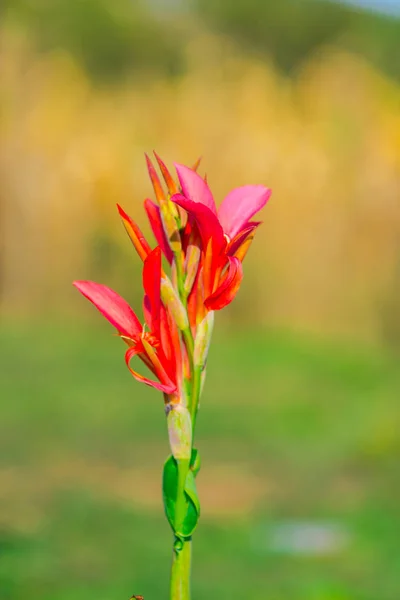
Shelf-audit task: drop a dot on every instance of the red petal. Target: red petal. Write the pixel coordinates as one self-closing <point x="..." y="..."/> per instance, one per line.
<point x="207" y="222"/>
<point x="168" y="387"/>
<point x="171" y="344"/>
<point x="229" y="287"/>
<point x="195" y="188"/>
<point x="156" y="224"/>
<point x="137" y="238"/>
<point x="115" y="309"/>
<point x="152" y="285"/>
<point x="210" y="264"/>
<point x="240" y="205"/>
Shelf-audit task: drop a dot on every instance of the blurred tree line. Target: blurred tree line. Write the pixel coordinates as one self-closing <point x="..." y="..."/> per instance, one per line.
<point x="109" y="38"/>
<point x="113" y="38"/>
<point x="290" y="30"/>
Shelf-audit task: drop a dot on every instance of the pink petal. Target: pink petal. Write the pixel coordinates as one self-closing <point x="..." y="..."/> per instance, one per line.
<point x="229" y="287"/>
<point x="207" y="222"/>
<point x="240" y="205"/>
<point x="115" y="309"/>
<point x="168" y="387"/>
<point x="156" y="224"/>
<point x="194" y="187"/>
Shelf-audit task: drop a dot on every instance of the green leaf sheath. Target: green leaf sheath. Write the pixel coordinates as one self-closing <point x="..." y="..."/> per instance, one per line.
<point x="181" y="502"/>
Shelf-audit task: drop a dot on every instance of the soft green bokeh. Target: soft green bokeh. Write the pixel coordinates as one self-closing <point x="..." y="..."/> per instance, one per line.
<point x="308" y="429"/>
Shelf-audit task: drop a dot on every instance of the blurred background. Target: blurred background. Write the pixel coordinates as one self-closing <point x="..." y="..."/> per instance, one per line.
<point x="299" y="427"/>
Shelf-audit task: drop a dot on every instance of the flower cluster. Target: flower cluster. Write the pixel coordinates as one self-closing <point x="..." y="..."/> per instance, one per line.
<point x="203" y="249"/>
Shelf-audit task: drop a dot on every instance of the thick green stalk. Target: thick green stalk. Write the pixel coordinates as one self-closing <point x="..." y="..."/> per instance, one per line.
<point x="181" y="560"/>
<point x="180" y="572"/>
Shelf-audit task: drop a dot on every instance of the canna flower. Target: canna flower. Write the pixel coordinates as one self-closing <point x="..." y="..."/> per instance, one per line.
<point x="225" y="234"/>
<point x="156" y="342"/>
<point x="205" y="248"/>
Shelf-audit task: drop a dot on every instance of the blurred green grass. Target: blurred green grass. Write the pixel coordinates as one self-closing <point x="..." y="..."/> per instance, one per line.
<point x="302" y="429"/>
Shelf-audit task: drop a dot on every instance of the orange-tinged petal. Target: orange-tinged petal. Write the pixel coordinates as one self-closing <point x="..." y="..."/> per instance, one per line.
<point x="137" y="238"/>
<point x="229" y="287"/>
<point x="197" y="164"/>
<point x="240" y="244"/>
<point x="155" y="180"/>
<point x="171" y="185"/>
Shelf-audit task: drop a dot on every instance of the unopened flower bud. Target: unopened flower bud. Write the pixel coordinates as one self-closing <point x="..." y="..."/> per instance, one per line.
<point x="203" y="339"/>
<point x="179" y="431"/>
<point x="171" y="299"/>
<point x="169" y="217"/>
<point x="192" y="262"/>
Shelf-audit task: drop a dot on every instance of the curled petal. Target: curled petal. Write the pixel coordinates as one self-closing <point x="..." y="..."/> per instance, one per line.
<point x="194" y="187"/>
<point x="229" y="287"/>
<point x="152" y="285"/>
<point x="207" y="222"/>
<point x="168" y="387"/>
<point x="115" y="309"/>
<point x="136" y="236"/>
<point x="156" y="224"/>
<point x="240" y="205"/>
<point x="242" y="241"/>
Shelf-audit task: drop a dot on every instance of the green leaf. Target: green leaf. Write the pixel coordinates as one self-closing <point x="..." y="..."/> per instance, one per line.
<point x="191" y="491"/>
<point x="195" y="462"/>
<point x="191" y="500"/>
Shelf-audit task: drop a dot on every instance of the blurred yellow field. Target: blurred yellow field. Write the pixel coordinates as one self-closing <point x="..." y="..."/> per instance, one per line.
<point x="327" y="142"/>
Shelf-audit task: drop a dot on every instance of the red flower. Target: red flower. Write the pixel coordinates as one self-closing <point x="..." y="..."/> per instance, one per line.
<point x="225" y="234"/>
<point x="156" y="343"/>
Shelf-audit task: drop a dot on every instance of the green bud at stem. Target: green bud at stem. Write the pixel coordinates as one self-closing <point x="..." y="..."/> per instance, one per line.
<point x="192" y="262"/>
<point x="171" y="299"/>
<point x="203" y="339"/>
<point x="179" y="431"/>
<point x="168" y="212"/>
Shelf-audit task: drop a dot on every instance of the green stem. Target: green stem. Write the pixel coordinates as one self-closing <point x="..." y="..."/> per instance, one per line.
<point x="180" y="571"/>
<point x="179" y="274"/>
<point x="195" y="396"/>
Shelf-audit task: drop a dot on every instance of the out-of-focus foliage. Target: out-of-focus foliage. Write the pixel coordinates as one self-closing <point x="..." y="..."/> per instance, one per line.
<point x="290" y="30"/>
<point x="109" y="39"/>
<point x="289" y="431"/>
<point x="327" y="142"/>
